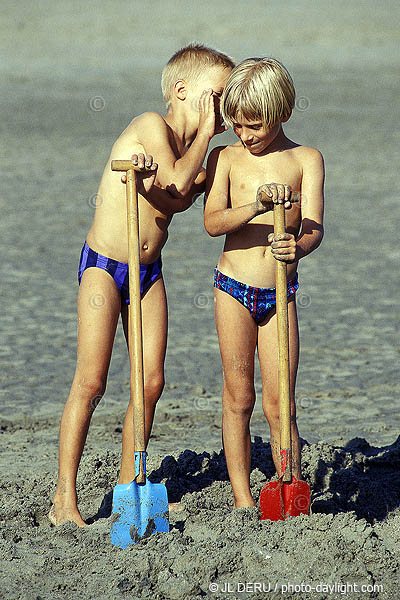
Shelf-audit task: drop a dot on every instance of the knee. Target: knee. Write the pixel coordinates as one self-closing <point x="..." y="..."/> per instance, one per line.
<point x="271" y="411"/>
<point x="153" y="386"/>
<point x="240" y="401"/>
<point x="90" y="388"/>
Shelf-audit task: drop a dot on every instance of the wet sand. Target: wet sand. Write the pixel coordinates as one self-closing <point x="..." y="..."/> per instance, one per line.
<point x="74" y="75"/>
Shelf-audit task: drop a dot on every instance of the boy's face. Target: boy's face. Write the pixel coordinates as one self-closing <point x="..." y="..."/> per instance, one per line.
<point x="214" y="78"/>
<point x="253" y="135"/>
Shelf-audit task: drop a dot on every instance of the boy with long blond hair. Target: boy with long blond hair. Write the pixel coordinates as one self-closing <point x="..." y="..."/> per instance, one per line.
<point x="258" y="98"/>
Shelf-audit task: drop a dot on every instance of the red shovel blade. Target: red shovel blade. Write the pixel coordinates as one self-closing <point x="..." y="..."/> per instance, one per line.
<point x="271" y="502"/>
<point x="280" y="500"/>
<point x="297" y="498"/>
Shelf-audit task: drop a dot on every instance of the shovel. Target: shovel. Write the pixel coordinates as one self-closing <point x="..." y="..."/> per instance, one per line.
<point x="140" y="507"/>
<point x="287" y="496"/>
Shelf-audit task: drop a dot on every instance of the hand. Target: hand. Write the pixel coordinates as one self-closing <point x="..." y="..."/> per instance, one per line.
<point x="270" y="194"/>
<point x="207" y="114"/>
<point x="146" y="176"/>
<point x="283" y="247"/>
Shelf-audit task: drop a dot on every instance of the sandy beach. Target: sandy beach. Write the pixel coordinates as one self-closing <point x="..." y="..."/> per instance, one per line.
<point x="74" y="75"/>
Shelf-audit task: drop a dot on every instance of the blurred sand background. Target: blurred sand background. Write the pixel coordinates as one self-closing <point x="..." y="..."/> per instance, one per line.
<point x="73" y="76"/>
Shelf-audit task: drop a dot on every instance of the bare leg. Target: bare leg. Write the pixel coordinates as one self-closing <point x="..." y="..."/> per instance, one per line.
<point x="98" y="311"/>
<point x="237" y="334"/>
<point x="268" y="357"/>
<point x="155" y="325"/>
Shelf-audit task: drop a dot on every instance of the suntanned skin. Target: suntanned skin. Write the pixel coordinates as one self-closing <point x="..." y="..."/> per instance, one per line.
<point x="179" y="141"/>
<point x="235" y="177"/>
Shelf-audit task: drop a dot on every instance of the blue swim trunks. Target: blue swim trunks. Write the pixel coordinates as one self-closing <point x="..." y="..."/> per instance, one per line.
<point x="119" y="271"/>
<point x="258" y="301"/>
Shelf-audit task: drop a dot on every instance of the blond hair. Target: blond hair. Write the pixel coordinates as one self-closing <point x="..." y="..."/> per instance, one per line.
<point x="188" y="64"/>
<point x="258" y="89"/>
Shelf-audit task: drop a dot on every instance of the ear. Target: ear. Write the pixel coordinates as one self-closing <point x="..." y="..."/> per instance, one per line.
<point x="180" y="89"/>
<point x="287" y="117"/>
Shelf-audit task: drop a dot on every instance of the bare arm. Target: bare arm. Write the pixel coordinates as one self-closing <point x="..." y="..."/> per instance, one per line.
<point x="158" y="196"/>
<point x="169" y="204"/>
<point x="286" y="247"/>
<point x="218" y="218"/>
<point x="312" y="208"/>
<point x="177" y="175"/>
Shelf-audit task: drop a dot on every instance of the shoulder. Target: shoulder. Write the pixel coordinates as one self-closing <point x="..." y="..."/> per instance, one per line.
<point x="150" y="119"/>
<point x="218" y="159"/>
<point x="143" y="124"/>
<point x="224" y="153"/>
<point x="308" y="156"/>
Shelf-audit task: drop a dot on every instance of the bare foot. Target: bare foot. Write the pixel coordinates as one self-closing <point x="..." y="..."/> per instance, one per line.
<point x="174" y="506"/>
<point x="59" y="516"/>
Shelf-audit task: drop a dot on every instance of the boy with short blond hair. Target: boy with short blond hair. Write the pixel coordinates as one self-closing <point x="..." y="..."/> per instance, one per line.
<point x="190" y="63"/>
<point x="193" y="82"/>
<point x="259" y="96"/>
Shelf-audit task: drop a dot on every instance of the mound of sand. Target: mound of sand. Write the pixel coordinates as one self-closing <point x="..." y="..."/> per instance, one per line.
<point x="352" y="535"/>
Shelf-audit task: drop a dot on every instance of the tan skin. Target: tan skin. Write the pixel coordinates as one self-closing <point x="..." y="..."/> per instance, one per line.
<point x="235" y="177"/>
<point x="180" y="141"/>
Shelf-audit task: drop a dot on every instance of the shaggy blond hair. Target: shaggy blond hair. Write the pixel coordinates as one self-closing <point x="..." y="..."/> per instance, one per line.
<point x="188" y="64"/>
<point x="258" y="89"/>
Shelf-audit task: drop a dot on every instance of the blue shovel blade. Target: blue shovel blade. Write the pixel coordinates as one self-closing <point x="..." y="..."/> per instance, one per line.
<point x="139" y="509"/>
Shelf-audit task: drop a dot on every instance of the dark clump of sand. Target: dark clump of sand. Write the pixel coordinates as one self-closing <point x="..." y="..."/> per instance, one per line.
<point x="352" y="534"/>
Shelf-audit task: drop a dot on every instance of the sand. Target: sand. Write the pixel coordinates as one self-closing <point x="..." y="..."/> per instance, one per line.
<point x="74" y="74"/>
<point x="350" y="539"/>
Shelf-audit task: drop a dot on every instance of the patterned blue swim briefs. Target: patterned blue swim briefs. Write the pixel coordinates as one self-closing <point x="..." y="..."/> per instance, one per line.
<point x="258" y="301"/>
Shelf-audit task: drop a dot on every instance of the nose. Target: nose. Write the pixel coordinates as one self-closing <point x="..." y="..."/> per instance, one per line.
<point x="246" y="135"/>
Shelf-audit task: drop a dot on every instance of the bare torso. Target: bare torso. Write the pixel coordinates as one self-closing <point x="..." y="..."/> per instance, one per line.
<point x="246" y="256"/>
<point x="108" y="233"/>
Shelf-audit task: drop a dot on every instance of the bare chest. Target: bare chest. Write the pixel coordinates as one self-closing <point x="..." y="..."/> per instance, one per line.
<point x="246" y="178"/>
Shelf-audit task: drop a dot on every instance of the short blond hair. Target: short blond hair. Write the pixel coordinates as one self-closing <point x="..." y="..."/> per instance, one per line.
<point x="258" y="89"/>
<point x="188" y="64"/>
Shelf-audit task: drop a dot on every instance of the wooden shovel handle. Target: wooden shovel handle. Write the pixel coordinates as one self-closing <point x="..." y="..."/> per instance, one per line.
<point x="126" y="165"/>
<point x="135" y="341"/>
<point x="283" y="351"/>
